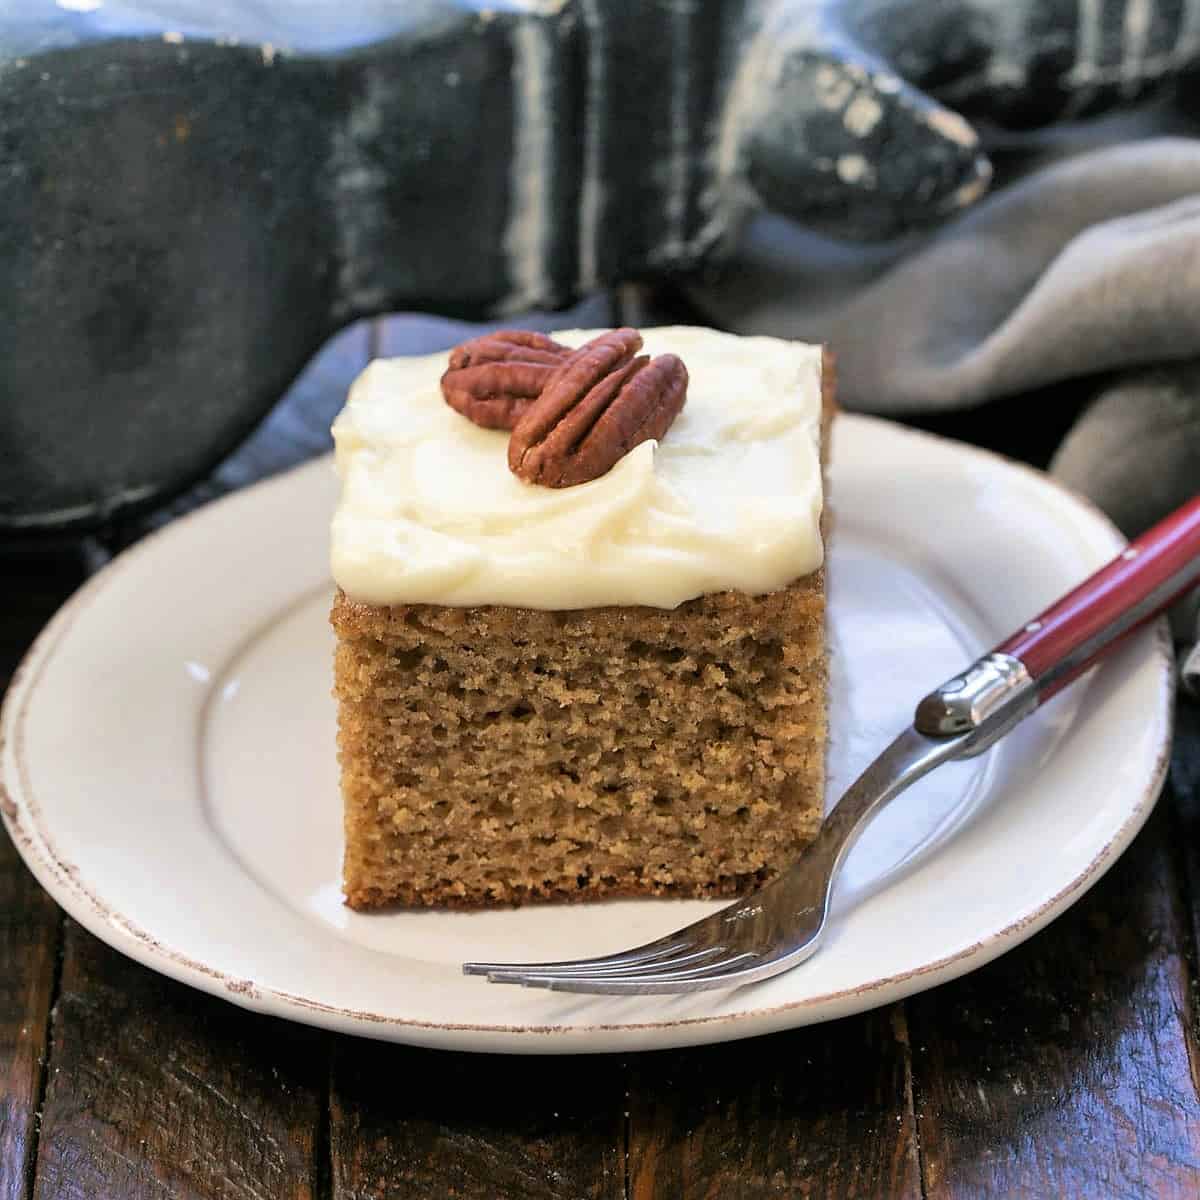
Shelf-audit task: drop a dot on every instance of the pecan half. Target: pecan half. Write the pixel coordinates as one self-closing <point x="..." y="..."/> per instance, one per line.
<point x="493" y="379"/>
<point x="600" y="404"/>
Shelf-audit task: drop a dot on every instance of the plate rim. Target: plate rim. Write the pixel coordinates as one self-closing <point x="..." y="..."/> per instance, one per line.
<point x="19" y="813"/>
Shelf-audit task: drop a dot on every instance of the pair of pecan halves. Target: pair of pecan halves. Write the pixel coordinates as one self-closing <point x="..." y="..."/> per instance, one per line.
<point x="595" y="408"/>
<point x="492" y="380"/>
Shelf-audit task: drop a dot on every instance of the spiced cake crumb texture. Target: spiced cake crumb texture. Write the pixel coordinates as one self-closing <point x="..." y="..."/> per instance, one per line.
<point x="496" y="755"/>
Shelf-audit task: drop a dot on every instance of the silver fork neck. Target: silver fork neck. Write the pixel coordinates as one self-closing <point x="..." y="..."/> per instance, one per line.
<point x="984" y="703"/>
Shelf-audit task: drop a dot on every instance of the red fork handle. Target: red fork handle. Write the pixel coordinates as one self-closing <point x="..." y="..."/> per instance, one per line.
<point x="1157" y="568"/>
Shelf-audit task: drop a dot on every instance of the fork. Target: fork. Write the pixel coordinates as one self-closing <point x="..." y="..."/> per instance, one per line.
<point x="781" y="924"/>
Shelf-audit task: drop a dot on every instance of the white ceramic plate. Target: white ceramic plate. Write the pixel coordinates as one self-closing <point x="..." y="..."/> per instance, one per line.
<point x="169" y="775"/>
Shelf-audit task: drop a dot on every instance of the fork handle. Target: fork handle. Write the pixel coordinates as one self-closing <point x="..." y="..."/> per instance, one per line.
<point x="1060" y="643"/>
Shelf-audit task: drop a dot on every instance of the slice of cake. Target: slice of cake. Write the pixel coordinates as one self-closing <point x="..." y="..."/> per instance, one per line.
<point x="599" y="688"/>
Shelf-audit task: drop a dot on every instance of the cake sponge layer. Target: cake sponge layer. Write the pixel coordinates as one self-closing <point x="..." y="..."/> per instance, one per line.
<point x="495" y="755"/>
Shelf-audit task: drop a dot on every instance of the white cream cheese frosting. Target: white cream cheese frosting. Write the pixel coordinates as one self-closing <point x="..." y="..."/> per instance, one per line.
<point x="730" y="500"/>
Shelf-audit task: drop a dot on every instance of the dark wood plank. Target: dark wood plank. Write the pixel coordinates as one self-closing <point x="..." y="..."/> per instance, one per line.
<point x="824" y="1111"/>
<point x="29" y="923"/>
<point x="1067" y="1067"/>
<point x="38" y="581"/>
<point x="156" y="1091"/>
<point x="1185" y="792"/>
<point x="410" y="1124"/>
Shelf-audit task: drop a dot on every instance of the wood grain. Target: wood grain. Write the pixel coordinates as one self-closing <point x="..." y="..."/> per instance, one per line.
<point x="157" y="1091"/>
<point x="1066" y="1068"/>
<point x="824" y="1111"/>
<point x="409" y="1124"/>
<point x="29" y="922"/>
<point x="1185" y="791"/>
<point x="29" y="919"/>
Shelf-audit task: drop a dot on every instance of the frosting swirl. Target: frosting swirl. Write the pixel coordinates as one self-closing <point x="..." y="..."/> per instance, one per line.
<point x="730" y="500"/>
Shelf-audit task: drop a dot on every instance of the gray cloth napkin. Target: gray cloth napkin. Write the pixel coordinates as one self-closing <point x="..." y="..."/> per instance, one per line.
<point x="1086" y="267"/>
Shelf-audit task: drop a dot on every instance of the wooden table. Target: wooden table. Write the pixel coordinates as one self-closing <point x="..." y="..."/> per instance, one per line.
<point x="1068" y="1068"/>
